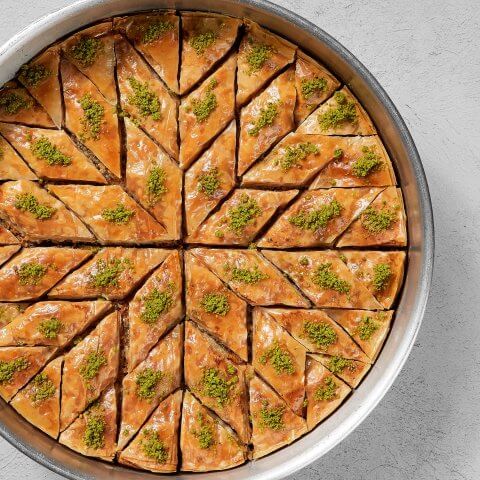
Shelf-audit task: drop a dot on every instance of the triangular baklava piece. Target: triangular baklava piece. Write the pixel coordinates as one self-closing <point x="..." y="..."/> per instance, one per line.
<point x="155" y="447"/>
<point x="382" y="223"/>
<point x="261" y="55"/>
<point x="90" y="366"/>
<point x="241" y="217"/>
<point x="39" y="401"/>
<point x="112" y="273"/>
<point x="39" y="215"/>
<point x="94" y="432"/>
<point x="340" y="115"/>
<point x="216" y="379"/>
<point x="266" y="119"/>
<point x="91" y="117"/>
<point x="52" y="323"/>
<point x="150" y="382"/>
<point x="325" y="392"/>
<point x="34" y="271"/>
<point x="7" y="237"/>
<point x="155" y="36"/>
<point x="111" y="213"/>
<point x="274" y="425"/>
<point x="215" y="307"/>
<point x="155" y="179"/>
<point x="318" y="217"/>
<point x="10" y="311"/>
<point x="210" y="178"/>
<point x="51" y="154"/>
<point x="206" y="39"/>
<point x="206" y="442"/>
<point x="12" y="166"/>
<point x="145" y="99"/>
<point x="7" y="252"/>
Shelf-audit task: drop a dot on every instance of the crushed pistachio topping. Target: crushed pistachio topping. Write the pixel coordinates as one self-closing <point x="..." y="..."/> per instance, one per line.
<point x="280" y="359"/>
<point x="85" y="51"/>
<point x="271" y="417"/>
<point x="92" y="365"/>
<point x="10" y="367"/>
<point x="265" y="118"/>
<point x="214" y="385"/>
<point x="147" y="381"/>
<point x="93" y="117"/>
<point x="203" y="107"/>
<point x="382" y="273"/>
<point x="153" y="31"/>
<point x="303" y="261"/>
<point x="312" y="86"/>
<point x="216" y="303"/>
<point x="202" y="41"/>
<point x="366" y="328"/>
<point x="345" y="111"/>
<point x="156" y="303"/>
<point x="294" y="154"/>
<point x="231" y="370"/>
<point x="11" y="103"/>
<point x="145" y="100"/>
<point x="338" y="364"/>
<point x="94" y="436"/>
<point x="50" y="328"/>
<point x="108" y="272"/>
<point x="27" y="202"/>
<point x="204" y="434"/>
<point x="243" y="214"/>
<point x="337" y="153"/>
<point x="327" y="391"/>
<point x="120" y="214"/>
<point x="209" y="182"/>
<point x="368" y="163"/>
<point x="248" y="275"/>
<point x="46" y="150"/>
<point x="34" y="74"/>
<point x="377" y="220"/>
<point x="321" y="334"/>
<point x="31" y="273"/>
<point x="343" y="257"/>
<point x="257" y="55"/>
<point x="318" y="218"/>
<point x="325" y="278"/>
<point x="153" y="447"/>
<point x="156" y="184"/>
<point x="219" y="234"/>
<point x="42" y="388"/>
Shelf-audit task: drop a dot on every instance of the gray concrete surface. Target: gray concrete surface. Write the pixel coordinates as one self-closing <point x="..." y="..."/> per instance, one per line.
<point x="426" y="54"/>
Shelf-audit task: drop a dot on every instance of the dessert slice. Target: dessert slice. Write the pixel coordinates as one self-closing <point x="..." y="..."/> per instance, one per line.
<point x="38" y="215"/>
<point x="155" y="179"/>
<point x="7" y="237"/>
<point x="111" y="213"/>
<point x="145" y="99"/>
<point x="318" y="217"/>
<point x="18" y="365"/>
<point x="150" y="382"/>
<point x="207" y="443"/>
<point x="90" y="366"/>
<point x="155" y="448"/>
<point x="324" y="278"/>
<point x="35" y="271"/>
<point x="314" y="84"/>
<point x="40" y="77"/>
<point x="217" y="379"/>
<point x="382" y="223"/>
<point x="325" y="392"/>
<point x="51" y="154"/>
<point x="39" y="401"/>
<point x="94" y="432"/>
<point x="274" y="425"/>
<point x="279" y="359"/>
<point x="261" y="55"/>
<point x="112" y="273"/>
<point x="7" y="252"/>
<point x="215" y="307"/>
<point x="12" y="166"/>
<point x="206" y="111"/>
<point x="210" y="178"/>
<point x="251" y="276"/>
<point x="155" y="36"/>
<point x="91" y="117"/>
<point x="52" y="323"/>
<point x="266" y="119"/>
<point x="91" y="51"/>
<point x="241" y="217"/>
<point x="9" y="311"/>
<point x="206" y="39"/>
<point x="340" y="115"/>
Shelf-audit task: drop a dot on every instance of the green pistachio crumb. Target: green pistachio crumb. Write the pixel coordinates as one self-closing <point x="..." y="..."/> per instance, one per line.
<point x="327" y="391"/>
<point x="86" y="51"/>
<point x="294" y="154"/>
<point x="46" y="150"/>
<point x="219" y="234"/>
<point x="108" y="272"/>
<point x="120" y="214"/>
<point x="93" y="118"/>
<point x="280" y="358"/>
<point x="34" y="74"/>
<point x="216" y="303"/>
<point x="11" y="103"/>
<point x="156" y="184"/>
<point x="321" y="334"/>
<point x="248" y="275"/>
<point x="325" y="278"/>
<point x="366" y="328"/>
<point x="318" y="218"/>
<point x="94" y="436"/>
<point x="50" y="328"/>
<point x="345" y="111"/>
<point x="337" y="153"/>
<point x="204" y="434"/>
<point x="214" y="385"/>
<point x="153" y="31"/>
<point x="271" y="417"/>
<point x="377" y="220"/>
<point x="304" y="261"/>
<point x="257" y="56"/>
<point x="94" y="361"/>
<point x="145" y="100"/>
<point x="26" y="202"/>
<point x="147" y="381"/>
<point x="382" y="273"/>
<point x="231" y="370"/>
<point x="202" y="41"/>
<point x="243" y="214"/>
<point x="31" y="273"/>
<point x="10" y="367"/>
<point x="265" y="118"/>
<point x="203" y="107"/>
<point x="155" y="304"/>
<point x="342" y="257"/>
<point x="312" y="86"/>
<point x="368" y="163"/>
<point x="209" y="182"/>
<point x="153" y="447"/>
<point x="42" y="388"/>
<point x="338" y="364"/>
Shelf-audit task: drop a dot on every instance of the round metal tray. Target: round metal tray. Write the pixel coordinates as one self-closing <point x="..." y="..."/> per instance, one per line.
<point x="411" y="175"/>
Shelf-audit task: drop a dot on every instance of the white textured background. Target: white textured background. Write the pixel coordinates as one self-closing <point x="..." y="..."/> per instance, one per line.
<point x="426" y="54"/>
